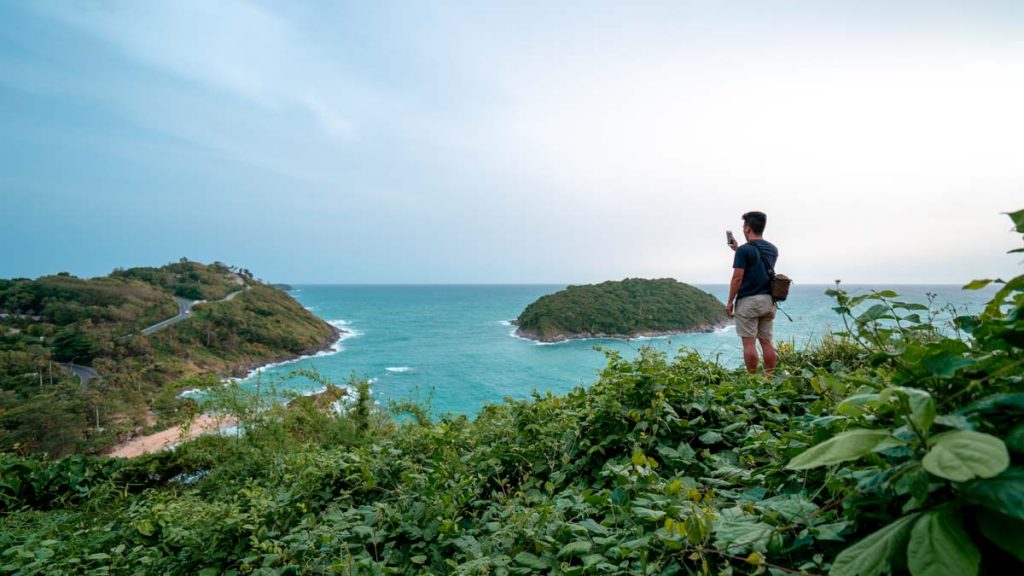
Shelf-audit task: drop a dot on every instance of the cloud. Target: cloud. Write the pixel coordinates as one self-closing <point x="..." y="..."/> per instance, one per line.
<point x="570" y="142"/>
<point x="889" y="154"/>
<point x="230" y="46"/>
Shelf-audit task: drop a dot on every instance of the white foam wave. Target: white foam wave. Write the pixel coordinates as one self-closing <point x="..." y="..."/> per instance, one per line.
<point x="505" y="322"/>
<point x="315" y="391"/>
<point x="538" y="342"/>
<point x="398" y="369"/>
<point x="644" y="338"/>
<point x="346" y="333"/>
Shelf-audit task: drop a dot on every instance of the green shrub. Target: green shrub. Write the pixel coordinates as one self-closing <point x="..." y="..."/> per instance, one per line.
<point x="895" y="447"/>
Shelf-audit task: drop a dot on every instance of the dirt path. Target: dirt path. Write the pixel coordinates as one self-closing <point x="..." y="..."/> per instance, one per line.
<point x="203" y="424"/>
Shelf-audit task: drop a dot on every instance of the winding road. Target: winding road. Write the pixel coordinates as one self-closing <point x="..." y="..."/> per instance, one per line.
<point x="85" y="373"/>
<point x="184" y="309"/>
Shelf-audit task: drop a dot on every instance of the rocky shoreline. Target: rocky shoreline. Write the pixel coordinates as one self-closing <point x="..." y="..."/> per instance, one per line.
<point x="567" y="336"/>
<point x="246" y="369"/>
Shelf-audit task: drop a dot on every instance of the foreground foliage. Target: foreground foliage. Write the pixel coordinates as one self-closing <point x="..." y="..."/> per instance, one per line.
<point x="896" y="446"/>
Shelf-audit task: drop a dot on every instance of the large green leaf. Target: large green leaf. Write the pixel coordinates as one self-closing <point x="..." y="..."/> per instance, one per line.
<point x="962" y="455"/>
<point x="532" y="561"/>
<point x="875" y="312"/>
<point x="922" y="406"/>
<point x="858" y="404"/>
<point x="978" y="284"/>
<point x="1015" y="439"/>
<point x="1004" y="493"/>
<point x="593" y="527"/>
<point x="1018" y="220"/>
<point x="1007" y="533"/>
<point x="1006" y="403"/>
<point x="831" y="531"/>
<point x="791" y="507"/>
<point x="940" y="546"/>
<point x="848" y="445"/>
<point x="873" y="554"/>
<point x="736" y="532"/>
<point x="577" y="548"/>
<point x="946" y="363"/>
<point x="648" y="514"/>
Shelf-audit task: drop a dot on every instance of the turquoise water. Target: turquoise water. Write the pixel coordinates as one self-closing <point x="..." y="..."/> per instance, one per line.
<point x="454" y="344"/>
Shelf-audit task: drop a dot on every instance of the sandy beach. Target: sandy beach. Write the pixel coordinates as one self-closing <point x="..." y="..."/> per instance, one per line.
<point x="207" y="423"/>
<point x="203" y="424"/>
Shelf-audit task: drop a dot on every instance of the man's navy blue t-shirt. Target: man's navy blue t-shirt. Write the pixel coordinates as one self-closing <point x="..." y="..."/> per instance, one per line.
<point x="755" y="275"/>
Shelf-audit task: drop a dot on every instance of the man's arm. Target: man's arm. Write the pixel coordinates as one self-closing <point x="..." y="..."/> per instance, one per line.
<point x="734" y="288"/>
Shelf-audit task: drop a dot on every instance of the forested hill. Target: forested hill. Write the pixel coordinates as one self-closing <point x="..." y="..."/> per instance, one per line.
<point x="226" y="323"/>
<point x="630" y="308"/>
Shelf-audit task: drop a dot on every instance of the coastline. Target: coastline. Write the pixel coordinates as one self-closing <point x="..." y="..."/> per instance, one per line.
<point x="210" y="423"/>
<point x="202" y="424"/>
<point x="247" y="369"/>
<point x="570" y="336"/>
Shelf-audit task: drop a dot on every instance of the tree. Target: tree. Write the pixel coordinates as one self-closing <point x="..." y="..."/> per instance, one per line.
<point x="74" y="343"/>
<point x="51" y="422"/>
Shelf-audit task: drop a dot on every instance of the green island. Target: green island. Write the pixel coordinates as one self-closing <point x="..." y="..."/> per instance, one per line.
<point x="88" y="363"/>
<point x="893" y="446"/>
<point x="621" y="309"/>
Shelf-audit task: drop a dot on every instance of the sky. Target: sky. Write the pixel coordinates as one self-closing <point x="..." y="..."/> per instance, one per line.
<point x="512" y="142"/>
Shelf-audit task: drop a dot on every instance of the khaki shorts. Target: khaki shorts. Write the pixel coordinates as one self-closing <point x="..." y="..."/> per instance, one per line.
<point x="755" y="316"/>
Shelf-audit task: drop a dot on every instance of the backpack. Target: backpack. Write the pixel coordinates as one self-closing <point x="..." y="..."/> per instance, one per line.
<point x="779" y="282"/>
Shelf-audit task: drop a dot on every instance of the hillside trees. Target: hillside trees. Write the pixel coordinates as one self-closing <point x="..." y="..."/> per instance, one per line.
<point x="97" y="322"/>
<point x="634" y="306"/>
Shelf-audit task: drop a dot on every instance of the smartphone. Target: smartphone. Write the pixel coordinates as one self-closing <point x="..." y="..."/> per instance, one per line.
<point x="729" y="239"/>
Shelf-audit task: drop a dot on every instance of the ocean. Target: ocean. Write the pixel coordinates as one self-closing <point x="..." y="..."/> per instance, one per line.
<point x="453" y="345"/>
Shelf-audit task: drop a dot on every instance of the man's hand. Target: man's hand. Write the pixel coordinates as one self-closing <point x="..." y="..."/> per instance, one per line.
<point x="734" y="289"/>
<point x="734" y="245"/>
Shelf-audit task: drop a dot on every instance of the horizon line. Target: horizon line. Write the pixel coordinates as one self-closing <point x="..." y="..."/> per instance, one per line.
<point x="497" y="284"/>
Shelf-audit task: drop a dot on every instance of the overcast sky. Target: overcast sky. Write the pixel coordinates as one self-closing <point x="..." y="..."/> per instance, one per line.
<point x="511" y="142"/>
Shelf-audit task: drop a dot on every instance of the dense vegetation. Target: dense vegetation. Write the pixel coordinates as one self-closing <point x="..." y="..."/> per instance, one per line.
<point x="61" y="319"/>
<point x="632" y="307"/>
<point x="190" y="280"/>
<point x="895" y="446"/>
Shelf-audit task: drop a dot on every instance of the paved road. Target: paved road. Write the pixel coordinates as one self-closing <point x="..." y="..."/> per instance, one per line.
<point x="84" y="373"/>
<point x="184" y="309"/>
<point x="231" y="296"/>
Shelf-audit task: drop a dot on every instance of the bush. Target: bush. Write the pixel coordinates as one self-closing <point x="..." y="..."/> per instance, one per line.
<point x="895" y="448"/>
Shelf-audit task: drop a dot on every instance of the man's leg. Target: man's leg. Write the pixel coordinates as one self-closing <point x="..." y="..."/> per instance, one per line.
<point x="765" y="326"/>
<point x="769" y="354"/>
<point x="750" y="354"/>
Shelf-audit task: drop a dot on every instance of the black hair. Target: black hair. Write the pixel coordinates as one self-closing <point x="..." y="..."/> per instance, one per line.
<point x="756" y="221"/>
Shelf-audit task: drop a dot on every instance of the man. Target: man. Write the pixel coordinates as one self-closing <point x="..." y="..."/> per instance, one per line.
<point x="751" y="289"/>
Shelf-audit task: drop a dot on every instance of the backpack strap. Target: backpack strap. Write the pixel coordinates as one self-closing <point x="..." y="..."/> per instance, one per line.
<point x="770" y="271"/>
<point x="771" y="278"/>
